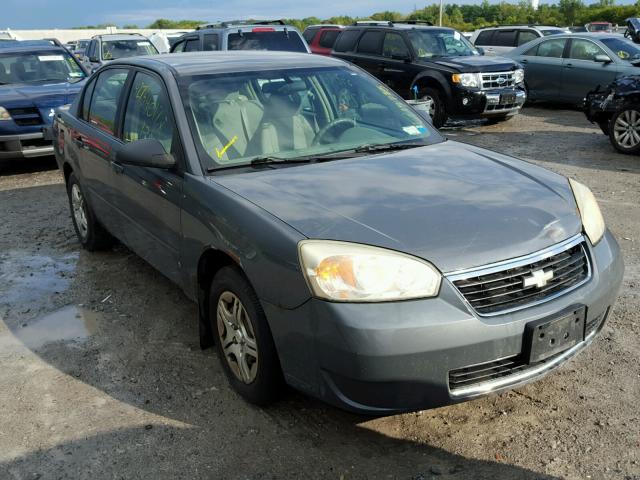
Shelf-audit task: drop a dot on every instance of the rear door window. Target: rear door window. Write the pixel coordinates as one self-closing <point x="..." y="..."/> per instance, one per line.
<point x="309" y="33"/>
<point x="551" y="48"/>
<point x="504" y="38"/>
<point x="105" y="99"/>
<point x="484" y="38"/>
<point x="267" y="39"/>
<point x="371" y="43"/>
<point x="179" y="47"/>
<point x="525" y="36"/>
<point x="192" y="45"/>
<point x="210" y="42"/>
<point x="328" y="38"/>
<point x="86" y="99"/>
<point x="394" y="44"/>
<point x="346" y="42"/>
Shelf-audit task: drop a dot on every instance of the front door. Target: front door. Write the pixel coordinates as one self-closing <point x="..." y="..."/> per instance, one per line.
<point x="148" y="200"/>
<point x="395" y="69"/>
<point x="581" y="73"/>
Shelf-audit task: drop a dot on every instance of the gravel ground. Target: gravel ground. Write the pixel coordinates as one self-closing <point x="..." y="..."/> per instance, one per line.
<point x="101" y="375"/>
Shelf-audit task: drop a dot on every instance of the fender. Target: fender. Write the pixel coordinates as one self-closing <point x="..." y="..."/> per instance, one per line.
<point x="436" y="79"/>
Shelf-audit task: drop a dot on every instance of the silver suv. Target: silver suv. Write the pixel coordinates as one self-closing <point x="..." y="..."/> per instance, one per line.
<point x="501" y="40"/>
<point x="104" y="48"/>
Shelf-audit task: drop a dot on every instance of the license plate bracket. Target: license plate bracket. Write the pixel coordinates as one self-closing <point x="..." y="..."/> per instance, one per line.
<point x="547" y="337"/>
<point x="507" y="98"/>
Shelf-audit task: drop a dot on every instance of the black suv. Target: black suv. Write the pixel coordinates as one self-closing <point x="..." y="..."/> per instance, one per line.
<point x="242" y="35"/>
<point x="420" y="61"/>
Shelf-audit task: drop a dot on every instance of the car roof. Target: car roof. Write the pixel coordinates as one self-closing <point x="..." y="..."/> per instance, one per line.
<point x="590" y="35"/>
<point x="33" y="46"/>
<point x="509" y="27"/>
<point x="198" y="63"/>
<point x="120" y="36"/>
<point x="398" y="26"/>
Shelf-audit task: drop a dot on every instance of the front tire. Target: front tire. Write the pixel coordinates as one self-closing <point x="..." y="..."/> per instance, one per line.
<point x="91" y="235"/>
<point x="437" y="111"/>
<point x="624" y="130"/>
<point x="243" y="338"/>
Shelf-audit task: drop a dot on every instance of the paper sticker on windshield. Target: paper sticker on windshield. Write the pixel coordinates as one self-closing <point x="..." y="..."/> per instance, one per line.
<point x="76" y="74"/>
<point x="142" y="44"/>
<point x="51" y="58"/>
<point x="411" y="130"/>
<point x="456" y="35"/>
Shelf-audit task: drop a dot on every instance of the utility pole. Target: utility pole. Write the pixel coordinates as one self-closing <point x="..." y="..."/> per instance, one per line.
<point x="440" y="23"/>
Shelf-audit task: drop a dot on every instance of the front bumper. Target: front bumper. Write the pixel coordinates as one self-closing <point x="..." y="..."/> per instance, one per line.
<point x="486" y="103"/>
<point x="26" y="145"/>
<point x="391" y="357"/>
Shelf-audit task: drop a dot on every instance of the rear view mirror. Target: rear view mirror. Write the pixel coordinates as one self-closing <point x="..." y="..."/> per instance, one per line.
<point x="148" y="152"/>
<point x="602" y="58"/>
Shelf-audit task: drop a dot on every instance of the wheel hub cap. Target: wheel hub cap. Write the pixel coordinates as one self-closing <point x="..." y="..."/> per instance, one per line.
<point x="626" y="129"/>
<point x="78" y="206"/>
<point x="237" y="338"/>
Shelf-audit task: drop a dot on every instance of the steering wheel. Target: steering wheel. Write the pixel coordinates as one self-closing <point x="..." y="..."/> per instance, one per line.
<point x="342" y="123"/>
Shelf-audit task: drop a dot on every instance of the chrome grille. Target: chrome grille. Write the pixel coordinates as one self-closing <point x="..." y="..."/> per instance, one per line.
<point x="495" y="290"/>
<point x="498" y="80"/>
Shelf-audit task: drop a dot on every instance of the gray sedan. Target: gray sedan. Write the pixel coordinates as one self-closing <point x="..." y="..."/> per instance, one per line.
<point x="332" y="239"/>
<point x="564" y="68"/>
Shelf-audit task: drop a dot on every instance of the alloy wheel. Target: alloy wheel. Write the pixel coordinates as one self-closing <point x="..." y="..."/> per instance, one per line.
<point x="626" y="129"/>
<point x="432" y="104"/>
<point x="79" y="208"/>
<point x="237" y="338"/>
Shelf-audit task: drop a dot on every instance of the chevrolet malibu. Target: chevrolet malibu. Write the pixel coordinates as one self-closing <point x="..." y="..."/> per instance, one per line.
<point x="333" y="240"/>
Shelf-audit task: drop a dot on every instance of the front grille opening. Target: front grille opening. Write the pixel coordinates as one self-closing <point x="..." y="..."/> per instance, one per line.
<point x="498" y="80"/>
<point x="506" y="290"/>
<point x="484" y="372"/>
<point x="35" y="143"/>
<point x="507" y="106"/>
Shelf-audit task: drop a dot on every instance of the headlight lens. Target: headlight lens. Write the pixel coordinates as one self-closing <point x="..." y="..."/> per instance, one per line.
<point x="466" y="79"/>
<point x="350" y="272"/>
<point x="518" y="75"/>
<point x="4" y="115"/>
<point x="592" y="220"/>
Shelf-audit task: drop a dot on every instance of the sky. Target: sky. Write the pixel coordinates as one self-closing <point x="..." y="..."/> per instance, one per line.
<point x="35" y="14"/>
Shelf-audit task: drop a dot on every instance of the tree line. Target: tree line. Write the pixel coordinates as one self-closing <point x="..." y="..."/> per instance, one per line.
<point x="468" y="17"/>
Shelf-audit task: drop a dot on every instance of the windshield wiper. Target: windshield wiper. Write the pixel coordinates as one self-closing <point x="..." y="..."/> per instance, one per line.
<point x="387" y="147"/>
<point x="272" y="160"/>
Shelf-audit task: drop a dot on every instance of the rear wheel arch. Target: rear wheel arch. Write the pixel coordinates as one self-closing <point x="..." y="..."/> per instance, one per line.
<point x="67" y="170"/>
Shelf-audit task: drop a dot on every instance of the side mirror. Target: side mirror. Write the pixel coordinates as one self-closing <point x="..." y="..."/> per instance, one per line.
<point x="148" y="152"/>
<point x="480" y="50"/>
<point x="405" y="57"/>
<point x="602" y="58"/>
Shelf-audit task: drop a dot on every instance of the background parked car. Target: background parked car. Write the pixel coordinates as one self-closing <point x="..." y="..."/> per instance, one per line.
<point x="321" y="38"/>
<point x="564" y="68"/>
<point x="616" y="109"/>
<point x="80" y="48"/>
<point x="602" y="27"/>
<point x="436" y="64"/>
<point x="238" y="35"/>
<point x="104" y="48"/>
<point x="36" y="78"/>
<point x="501" y="40"/>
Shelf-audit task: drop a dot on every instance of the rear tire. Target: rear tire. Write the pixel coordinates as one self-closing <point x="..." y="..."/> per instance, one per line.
<point x="438" y="111"/>
<point x="243" y="339"/>
<point x="624" y="130"/>
<point x="91" y="234"/>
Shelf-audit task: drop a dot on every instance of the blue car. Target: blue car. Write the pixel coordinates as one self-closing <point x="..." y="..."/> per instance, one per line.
<point x="36" y="78"/>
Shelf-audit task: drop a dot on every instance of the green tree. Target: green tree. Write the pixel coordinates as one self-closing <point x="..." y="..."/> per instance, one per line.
<point x="570" y="10"/>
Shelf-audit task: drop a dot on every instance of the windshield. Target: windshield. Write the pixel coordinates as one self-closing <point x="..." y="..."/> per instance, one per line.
<point x="31" y="67"/>
<point x="548" y="32"/>
<point x="114" y="49"/>
<point x="82" y="43"/>
<point x="440" y="43"/>
<point x="624" y="49"/>
<point x="236" y="118"/>
<point x="281" y="40"/>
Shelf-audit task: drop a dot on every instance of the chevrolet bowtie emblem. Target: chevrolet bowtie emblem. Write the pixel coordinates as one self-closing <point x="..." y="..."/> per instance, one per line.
<point x="538" y="278"/>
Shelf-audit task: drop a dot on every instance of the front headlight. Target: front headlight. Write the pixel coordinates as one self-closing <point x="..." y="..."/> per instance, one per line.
<point x="350" y="272"/>
<point x="4" y="115"/>
<point x="592" y="220"/>
<point x="466" y="79"/>
<point x="518" y="75"/>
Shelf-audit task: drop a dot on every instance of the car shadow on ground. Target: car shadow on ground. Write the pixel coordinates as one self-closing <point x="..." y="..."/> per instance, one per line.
<point x="27" y="165"/>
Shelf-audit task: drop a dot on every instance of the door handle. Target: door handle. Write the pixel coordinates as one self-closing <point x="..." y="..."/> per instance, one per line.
<point x="117" y="167"/>
<point x="568" y="65"/>
<point x="79" y="141"/>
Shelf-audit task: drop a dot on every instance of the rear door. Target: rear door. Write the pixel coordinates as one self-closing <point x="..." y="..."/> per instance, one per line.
<point x="581" y="73"/>
<point x="147" y="199"/>
<point x="543" y="68"/>
<point x="369" y="52"/>
<point x="95" y="140"/>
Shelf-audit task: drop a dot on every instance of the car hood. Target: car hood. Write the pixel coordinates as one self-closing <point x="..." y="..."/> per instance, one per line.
<point x="475" y="63"/>
<point x="455" y="205"/>
<point x="40" y="95"/>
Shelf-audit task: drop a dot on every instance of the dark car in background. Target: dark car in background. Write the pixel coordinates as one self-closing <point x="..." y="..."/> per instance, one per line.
<point x="564" y="68"/>
<point x="435" y="64"/>
<point x="272" y="35"/>
<point x="36" y="79"/>
<point x="333" y="239"/>
<point x="616" y="109"/>
<point x="321" y="38"/>
<point x="106" y="48"/>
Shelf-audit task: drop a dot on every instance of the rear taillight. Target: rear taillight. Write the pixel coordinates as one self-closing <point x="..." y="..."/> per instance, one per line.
<point x="263" y="29"/>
